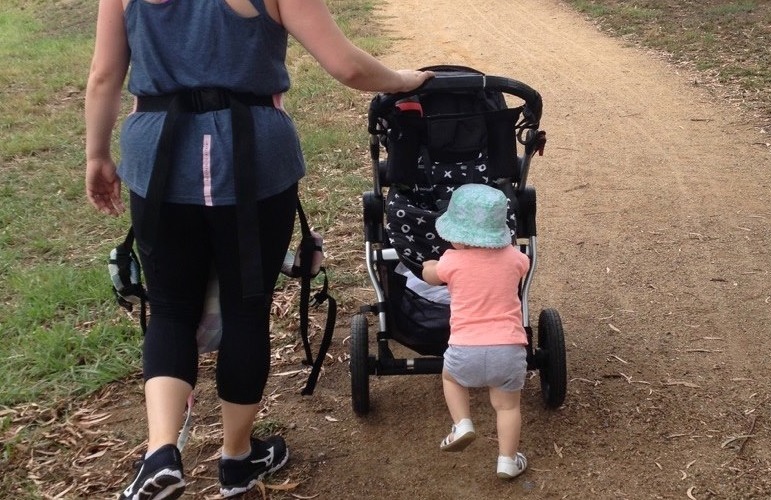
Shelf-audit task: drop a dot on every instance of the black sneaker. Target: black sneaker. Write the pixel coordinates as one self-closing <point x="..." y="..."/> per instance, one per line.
<point x="160" y="476"/>
<point x="239" y="476"/>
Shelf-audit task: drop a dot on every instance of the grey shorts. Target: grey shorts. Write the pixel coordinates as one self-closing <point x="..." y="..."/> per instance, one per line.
<point x="500" y="366"/>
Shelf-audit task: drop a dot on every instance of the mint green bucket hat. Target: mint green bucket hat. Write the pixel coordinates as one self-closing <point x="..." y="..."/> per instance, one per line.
<point x="476" y="216"/>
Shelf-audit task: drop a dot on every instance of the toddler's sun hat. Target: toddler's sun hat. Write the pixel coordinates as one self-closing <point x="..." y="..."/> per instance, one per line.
<point x="476" y="216"/>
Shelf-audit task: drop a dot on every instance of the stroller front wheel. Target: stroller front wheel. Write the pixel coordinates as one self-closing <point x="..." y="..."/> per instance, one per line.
<point x="359" y="365"/>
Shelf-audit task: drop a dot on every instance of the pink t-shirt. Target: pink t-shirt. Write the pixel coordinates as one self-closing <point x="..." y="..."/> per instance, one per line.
<point x="484" y="304"/>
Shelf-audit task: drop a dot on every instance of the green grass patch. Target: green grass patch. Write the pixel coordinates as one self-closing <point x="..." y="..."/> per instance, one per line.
<point x="731" y="8"/>
<point x="62" y="335"/>
<point x="591" y="8"/>
<point x="41" y="83"/>
<point x="729" y="38"/>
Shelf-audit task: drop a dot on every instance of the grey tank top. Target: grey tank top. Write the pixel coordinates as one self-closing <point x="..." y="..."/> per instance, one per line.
<point x="184" y="44"/>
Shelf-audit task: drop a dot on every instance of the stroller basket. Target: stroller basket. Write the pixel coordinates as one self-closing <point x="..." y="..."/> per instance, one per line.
<point x="456" y="129"/>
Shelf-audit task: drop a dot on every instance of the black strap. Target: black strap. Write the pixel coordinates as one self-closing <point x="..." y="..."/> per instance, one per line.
<point x="247" y="211"/>
<point x="307" y="248"/>
<point x="201" y="101"/>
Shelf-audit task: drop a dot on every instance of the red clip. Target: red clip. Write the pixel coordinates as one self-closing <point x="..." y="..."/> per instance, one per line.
<point x="410" y="106"/>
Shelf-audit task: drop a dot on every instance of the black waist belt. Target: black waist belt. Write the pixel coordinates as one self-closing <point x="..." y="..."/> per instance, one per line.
<point x="202" y="101"/>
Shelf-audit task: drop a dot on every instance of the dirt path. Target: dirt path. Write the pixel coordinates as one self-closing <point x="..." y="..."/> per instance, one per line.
<point x="654" y="246"/>
<point x="654" y="213"/>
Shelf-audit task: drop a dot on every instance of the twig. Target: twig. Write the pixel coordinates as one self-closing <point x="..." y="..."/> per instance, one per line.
<point x="680" y="382"/>
<point x="623" y="361"/>
<point x="593" y="382"/>
<point x="749" y="434"/>
<point x="677" y="435"/>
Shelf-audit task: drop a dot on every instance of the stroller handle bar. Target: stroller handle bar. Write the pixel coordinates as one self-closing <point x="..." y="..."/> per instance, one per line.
<point x="461" y="81"/>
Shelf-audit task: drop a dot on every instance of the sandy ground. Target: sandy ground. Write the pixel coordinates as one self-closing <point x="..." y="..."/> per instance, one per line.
<point x="654" y="246"/>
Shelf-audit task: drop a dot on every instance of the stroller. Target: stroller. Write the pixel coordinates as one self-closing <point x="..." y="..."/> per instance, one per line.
<point x="455" y="129"/>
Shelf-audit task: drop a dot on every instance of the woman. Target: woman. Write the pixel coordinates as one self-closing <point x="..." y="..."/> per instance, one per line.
<point x="212" y="163"/>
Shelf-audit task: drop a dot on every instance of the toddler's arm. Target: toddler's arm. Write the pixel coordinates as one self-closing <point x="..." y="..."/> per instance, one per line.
<point x="429" y="273"/>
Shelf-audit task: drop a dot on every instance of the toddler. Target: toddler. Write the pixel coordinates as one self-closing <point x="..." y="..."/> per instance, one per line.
<point x="487" y="339"/>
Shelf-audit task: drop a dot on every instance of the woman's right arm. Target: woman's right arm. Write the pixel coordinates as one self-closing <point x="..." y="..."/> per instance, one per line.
<point x="109" y="66"/>
<point x="311" y="23"/>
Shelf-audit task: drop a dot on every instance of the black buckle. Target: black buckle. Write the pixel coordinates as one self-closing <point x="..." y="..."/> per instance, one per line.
<point x="204" y="100"/>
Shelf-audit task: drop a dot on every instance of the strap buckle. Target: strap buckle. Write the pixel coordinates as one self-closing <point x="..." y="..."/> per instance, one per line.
<point x="208" y="99"/>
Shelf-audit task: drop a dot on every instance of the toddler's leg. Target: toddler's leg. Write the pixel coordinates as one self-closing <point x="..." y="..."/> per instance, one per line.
<point x="511" y="463"/>
<point x="509" y="420"/>
<point x="457" y="398"/>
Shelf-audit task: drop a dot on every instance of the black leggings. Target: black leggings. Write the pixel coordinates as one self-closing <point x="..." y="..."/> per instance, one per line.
<point x="192" y="238"/>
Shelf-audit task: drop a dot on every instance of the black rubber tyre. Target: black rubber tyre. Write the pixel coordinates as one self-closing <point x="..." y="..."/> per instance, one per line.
<point x="551" y="344"/>
<point x="359" y="365"/>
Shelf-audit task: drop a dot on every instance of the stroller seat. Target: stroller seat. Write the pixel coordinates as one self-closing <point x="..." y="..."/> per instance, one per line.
<point x="456" y="129"/>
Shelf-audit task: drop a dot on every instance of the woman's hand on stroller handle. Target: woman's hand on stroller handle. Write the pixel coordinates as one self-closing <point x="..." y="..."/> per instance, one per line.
<point x="414" y="79"/>
<point x="455" y="79"/>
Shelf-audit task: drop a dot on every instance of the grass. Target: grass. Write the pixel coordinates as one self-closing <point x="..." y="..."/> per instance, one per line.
<point x="56" y="327"/>
<point x="727" y="41"/>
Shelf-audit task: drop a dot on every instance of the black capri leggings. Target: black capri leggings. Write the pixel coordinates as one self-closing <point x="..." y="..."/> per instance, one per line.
<point x="192" y="238"/>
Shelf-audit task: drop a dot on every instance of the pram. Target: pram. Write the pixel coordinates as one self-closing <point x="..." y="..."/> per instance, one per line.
<point x="455" y="129"/>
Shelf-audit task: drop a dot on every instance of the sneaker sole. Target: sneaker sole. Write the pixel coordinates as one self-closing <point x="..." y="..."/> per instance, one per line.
<point x="165" y="485"/>
<point x="238" y="490"/>
<point x="460" y="443"/>
<point x="506" y="475"/>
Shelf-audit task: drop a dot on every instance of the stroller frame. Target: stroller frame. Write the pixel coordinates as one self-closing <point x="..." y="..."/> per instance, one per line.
<point x="548" y="357"/>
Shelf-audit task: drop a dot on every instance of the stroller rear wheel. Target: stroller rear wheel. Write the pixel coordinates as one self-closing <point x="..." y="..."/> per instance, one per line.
<point x="359" y="365"/>
<point x="551" y="344"/>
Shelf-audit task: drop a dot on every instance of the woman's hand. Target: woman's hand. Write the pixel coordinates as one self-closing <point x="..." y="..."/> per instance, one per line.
<point x="413" y="79"/>
<point x="103" y="187"/>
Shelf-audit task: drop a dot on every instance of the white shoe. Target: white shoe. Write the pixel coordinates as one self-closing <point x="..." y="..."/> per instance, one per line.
<point x="461" y="436"/>
<point x="509" y="468"/>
